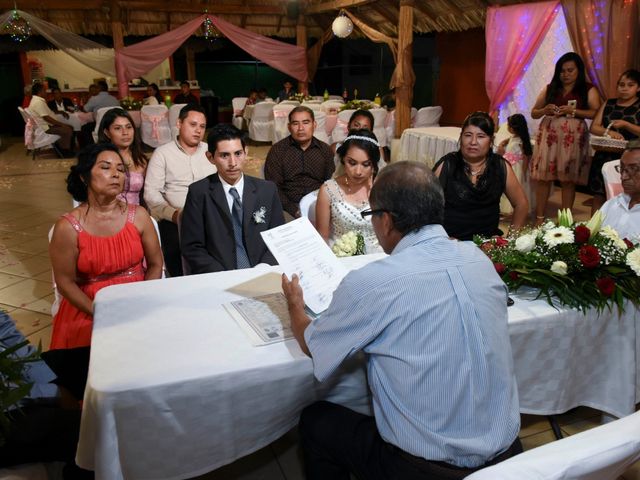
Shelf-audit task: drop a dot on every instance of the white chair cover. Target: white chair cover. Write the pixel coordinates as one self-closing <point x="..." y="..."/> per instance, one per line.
<point x="380" y="119"/>
<point x="155" y="129"/>
<point x="602" y="453"/>
<point x="35" y="137"/>
<point x="414" y="114"/>
<point x="312" y="102"/>
<point x="280" y="121"/>
<point x="612" y="181"/>
<point x="428" y="117"/>
<point x="261" y="124"/>
<point x="174" y="113"/>
<point x="315" y="106"/>
<point x="321" y="129"/>
<point x="295" y="103"/>
<point x="340" y="131"/>
<point x="336" y="97"/>
<point x="99" y="114"/>
<point x="331" y="106"/>
<point x="308" y="206"/>
<point x="238" y="104"/>
<point x="390" y="125"/>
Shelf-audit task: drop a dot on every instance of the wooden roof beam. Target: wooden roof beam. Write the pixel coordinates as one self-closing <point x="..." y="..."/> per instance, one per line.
<point x="335" y="5"/>
<point x="213" y="8"/>
<point x="385" y="13"/>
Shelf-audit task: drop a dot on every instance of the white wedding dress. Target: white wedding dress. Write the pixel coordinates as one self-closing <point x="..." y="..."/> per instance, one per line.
<point x="345" y="217"/>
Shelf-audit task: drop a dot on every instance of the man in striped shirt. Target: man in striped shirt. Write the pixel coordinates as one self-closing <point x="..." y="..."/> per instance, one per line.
<point x="432" y="320"/>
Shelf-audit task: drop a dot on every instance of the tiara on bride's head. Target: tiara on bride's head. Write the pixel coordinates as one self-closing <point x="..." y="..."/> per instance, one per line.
<point x="362" y="137"/>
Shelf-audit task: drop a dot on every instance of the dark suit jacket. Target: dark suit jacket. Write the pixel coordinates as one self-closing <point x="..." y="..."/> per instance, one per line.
<point x="68" y="104"/>
<point x="207" y="240"/>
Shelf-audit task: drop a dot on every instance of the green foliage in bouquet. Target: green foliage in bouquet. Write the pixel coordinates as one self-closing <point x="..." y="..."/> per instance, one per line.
<point x="581" y="265"/>
<point x="300" y="97"/>
<point x="13" y="385"/>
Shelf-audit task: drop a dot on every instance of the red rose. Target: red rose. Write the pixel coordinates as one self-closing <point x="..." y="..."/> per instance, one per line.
<point x="500" y="268"/>
<point x="627" y="242"/>
<point x="606" y="285"/>
<point x="589" y="256"/>
<point x="514" y="276"/>
<point x="582" y="234"/>
<point x="501" y="242"/>
<point x="486" y="247"/>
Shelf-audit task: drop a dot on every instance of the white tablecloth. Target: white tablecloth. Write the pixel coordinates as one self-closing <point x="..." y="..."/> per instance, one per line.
<point x="76" y="119"/>
<point x="428" y="144"/>
<point x="175" y="388"/>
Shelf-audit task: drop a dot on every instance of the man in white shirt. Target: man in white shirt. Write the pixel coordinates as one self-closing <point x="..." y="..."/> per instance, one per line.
<point x="622" y="212"/>
<point x="46" y="119"/>
<point x="172" y="168"/>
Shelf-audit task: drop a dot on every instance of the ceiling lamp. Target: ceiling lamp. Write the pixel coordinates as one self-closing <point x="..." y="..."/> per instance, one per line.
<point x="342" y="26"/>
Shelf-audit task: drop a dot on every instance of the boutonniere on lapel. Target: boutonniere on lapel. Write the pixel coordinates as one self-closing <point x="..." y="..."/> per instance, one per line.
<point x="259" y="215"/>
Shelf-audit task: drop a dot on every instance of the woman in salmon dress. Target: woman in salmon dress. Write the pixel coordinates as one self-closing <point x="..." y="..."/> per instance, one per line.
<point x="102" y="242"/>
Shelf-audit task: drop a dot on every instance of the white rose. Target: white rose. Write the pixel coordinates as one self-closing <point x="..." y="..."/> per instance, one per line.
<point x="559" y="267"/>
<point x="526" y="243"/>
<point x="633" y="260"/>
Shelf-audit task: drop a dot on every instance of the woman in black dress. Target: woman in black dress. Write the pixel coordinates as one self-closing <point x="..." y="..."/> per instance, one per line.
<point x="473" y="179"/>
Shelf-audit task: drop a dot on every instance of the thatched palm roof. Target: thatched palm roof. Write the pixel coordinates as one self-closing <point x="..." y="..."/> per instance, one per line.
<point x="267" y="17"/>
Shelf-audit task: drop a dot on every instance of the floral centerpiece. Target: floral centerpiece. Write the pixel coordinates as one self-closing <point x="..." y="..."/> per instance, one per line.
<point x="130" y="103"/>
<point x="581" y="265"/>
<point x="349" y="244"/>
<point x="300" y="97"/>
<point x="358" y="105"/>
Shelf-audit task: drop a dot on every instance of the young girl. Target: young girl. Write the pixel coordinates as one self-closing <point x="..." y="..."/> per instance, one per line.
<point x="623" y="115"/>
<point x="517" y="151"/>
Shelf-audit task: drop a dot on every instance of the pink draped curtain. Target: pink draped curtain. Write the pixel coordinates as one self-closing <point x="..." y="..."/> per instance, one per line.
<point x="513" y="35"/>
<point x="138" y="59"/>
<point x="605" y="34"/>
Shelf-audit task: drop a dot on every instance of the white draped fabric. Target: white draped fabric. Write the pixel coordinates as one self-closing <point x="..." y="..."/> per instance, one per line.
<point x="84" y="51"/>
<point x="428" y="144"/>
<point x="539" y="73"/>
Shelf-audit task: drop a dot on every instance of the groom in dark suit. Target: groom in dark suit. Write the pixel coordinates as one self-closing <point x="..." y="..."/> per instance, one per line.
<point x="225" y="212"/>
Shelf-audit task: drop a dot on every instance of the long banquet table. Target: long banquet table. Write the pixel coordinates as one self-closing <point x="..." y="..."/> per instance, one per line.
<point x="428" y="144"/>
<point x="176" y="389"/>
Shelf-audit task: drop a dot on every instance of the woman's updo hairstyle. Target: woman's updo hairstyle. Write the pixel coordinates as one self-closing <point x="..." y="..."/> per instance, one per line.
<point x="482" y="120"/>
<point x="80" y="174"/>
<point x="364" y="140"/>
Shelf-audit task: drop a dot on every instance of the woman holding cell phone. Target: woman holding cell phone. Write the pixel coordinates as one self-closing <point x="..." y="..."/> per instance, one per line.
<point x="561" y="151"/>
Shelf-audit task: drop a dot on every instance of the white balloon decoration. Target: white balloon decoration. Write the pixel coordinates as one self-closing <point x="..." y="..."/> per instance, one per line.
<point x="342" y="26"/>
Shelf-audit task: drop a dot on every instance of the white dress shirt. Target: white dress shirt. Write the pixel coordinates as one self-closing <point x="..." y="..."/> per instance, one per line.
<point x="239" y="186"/>
<point x="624" y="220"/>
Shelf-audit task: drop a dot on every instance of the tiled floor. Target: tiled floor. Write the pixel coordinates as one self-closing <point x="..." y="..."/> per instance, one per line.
<point x="33" y="196"/>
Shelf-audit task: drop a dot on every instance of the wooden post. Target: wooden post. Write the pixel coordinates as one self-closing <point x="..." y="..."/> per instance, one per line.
<point x="191" y="64"/>
<point x="404" y="87"/>
<point x="301" y="41"/>
<point x="116" y="27"/>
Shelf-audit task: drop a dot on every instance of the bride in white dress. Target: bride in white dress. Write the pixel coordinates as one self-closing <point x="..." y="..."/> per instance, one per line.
<point x="341" y="199"/>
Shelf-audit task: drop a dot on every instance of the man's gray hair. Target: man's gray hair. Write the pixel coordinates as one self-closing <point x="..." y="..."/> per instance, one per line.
<point x="411" y="193"/>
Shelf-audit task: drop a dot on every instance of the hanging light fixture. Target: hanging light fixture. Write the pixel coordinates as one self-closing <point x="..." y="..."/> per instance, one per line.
<point x="211" y="33"/>
<point x="342" y="26"/>
<point x="17" y="27"/>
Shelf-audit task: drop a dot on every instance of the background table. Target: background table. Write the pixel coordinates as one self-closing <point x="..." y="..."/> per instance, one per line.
<point x="76" y="119"/>
<point x="428" y="144"/>
<point x="175" y="388"/>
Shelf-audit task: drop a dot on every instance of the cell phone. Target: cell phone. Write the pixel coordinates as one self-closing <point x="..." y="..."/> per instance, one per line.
<point x="572" y="103"/>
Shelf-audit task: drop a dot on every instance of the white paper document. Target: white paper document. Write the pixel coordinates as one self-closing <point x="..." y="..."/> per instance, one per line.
<point x="265" y="318"/>
<point x="299" y="249"/>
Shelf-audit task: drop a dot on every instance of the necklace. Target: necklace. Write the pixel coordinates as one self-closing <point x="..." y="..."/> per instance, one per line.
<point x="478" y="171"/>
<point x="346" y="184"/>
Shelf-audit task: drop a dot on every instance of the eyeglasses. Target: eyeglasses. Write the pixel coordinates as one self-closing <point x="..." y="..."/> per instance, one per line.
<point x="631" y="170"/>
<point x="369" y="211"/>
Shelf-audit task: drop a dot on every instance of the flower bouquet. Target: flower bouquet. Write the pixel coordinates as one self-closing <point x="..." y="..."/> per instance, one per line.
<point x="300" y="97"/>
<point x="349" y="244"/>
<point x="358" y="105"/>
<point x="581" y="265"/>
<point x="130" y="103"/>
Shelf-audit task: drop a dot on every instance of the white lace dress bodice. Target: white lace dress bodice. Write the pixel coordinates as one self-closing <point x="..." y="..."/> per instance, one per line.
<point x="345" y="217"/>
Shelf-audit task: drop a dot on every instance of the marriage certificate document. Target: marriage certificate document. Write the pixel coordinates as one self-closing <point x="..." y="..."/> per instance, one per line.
<point x="300" y="249"/>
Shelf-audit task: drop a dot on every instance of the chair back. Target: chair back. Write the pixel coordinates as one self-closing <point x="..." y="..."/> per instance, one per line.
<point x="154" y="128"/>
<point x="238" y="104"/>
<point x="295" y="103"/>
<point x="602" y="453"/>
<point x="99" y="114"/>
<point x="174" y="113"/>
<point x="341" y="130"/>
<point x="35" y="137"/>
<point x="331" y="106"/>
<point x="390" y="126"/>
<point x="414" y="114"/>
<point x="380" y="119"/>
<point x="308" y="206"/>
<point x="261" y="123"/>
<point x="281" y="120"/>
<point x="315" y="106"/>
<point x="428" y="117"/>
<point x="321" y="128"/>
<point x="336" y="97"/>
<point x="612" y="180"/>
